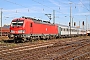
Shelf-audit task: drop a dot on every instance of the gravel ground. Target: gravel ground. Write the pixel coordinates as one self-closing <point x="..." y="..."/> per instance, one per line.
<point x="60" y="49"/>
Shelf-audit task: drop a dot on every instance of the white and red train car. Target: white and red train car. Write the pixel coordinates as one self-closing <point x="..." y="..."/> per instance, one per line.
<point x="26" y="28"/>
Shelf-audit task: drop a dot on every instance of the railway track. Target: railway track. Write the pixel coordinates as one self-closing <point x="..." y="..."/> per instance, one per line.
<point x="46" y="51"/>
<point x="64" y="54"/>
<point x="70" y="54"/>
<point x="5" y="52"/>
<point x="83" y="56"/>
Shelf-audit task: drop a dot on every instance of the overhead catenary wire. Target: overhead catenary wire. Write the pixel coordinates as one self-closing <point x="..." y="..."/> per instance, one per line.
<point x="82" y="4"/>
<point x="43" y="5"/>
<point x="28" y="9"/>
<point x="43" y="9"/>
<point x="18" y="5"/>
<point x="35" y="10"/>
<point x="15" y="3"/>
<point x="49" y="7"/>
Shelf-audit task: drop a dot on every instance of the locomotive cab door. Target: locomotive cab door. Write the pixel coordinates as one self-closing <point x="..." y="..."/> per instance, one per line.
<point x="31" y="29"/>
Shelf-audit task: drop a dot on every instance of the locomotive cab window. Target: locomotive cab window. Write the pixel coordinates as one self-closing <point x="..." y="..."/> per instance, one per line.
<point x="17" y="23"/>
<point x="30" y="24"/>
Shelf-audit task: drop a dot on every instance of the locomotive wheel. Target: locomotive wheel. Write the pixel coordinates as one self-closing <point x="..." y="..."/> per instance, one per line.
<point x="23" y="40"/>
<point x="15" y="41"/>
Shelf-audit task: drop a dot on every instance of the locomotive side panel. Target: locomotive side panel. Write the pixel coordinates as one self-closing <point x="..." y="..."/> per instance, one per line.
<point x="39" y="28"/>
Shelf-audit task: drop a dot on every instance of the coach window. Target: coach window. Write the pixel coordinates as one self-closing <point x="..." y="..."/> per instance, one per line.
<point x="61" y="29"/>
<point x="67" y="29"/>
<point x="64" y="29"/>
<point x="31" y="25"/>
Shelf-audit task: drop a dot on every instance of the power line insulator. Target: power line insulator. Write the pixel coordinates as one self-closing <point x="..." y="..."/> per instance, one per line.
<point x="83" y="23"/>
<point x="69" y="24"/>
<point x="74" y="23"/>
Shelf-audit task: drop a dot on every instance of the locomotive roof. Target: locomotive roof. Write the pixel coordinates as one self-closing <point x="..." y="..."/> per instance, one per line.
<point x="34" y="20"/>
<point x="38" y="20"/>
<point x="17" y="19"/>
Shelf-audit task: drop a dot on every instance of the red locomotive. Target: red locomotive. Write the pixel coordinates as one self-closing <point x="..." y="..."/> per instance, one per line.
<point x="27" y="28"/>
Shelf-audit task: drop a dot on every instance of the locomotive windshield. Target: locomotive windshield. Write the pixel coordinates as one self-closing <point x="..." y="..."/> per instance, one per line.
<point x="17" y="23"/>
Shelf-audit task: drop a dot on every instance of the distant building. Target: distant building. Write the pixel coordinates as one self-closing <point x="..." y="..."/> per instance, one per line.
<point x="6" y="26"/>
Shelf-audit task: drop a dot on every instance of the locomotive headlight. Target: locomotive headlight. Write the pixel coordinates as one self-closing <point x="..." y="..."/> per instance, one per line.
<point x="21" y="31"/>
<point x="12" y="31"/>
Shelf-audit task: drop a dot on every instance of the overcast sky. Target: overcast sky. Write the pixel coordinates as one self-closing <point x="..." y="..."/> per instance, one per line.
<point x="38" y="9"/>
